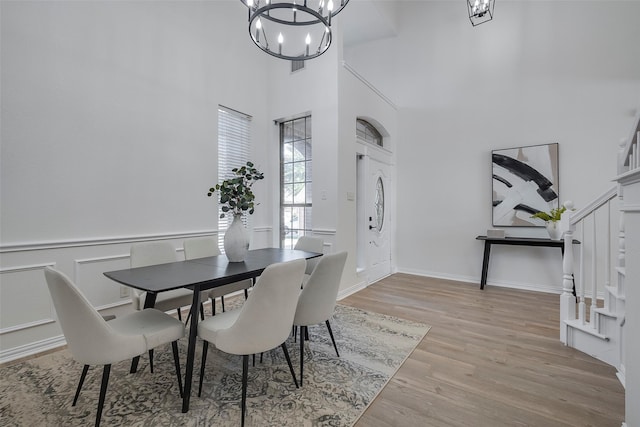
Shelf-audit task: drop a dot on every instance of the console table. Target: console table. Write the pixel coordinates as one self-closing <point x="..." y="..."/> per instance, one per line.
<point x="516" y="241"/>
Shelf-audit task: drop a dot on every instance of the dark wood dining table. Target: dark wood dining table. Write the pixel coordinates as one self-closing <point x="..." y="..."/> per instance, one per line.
<point x="199" y="275"/>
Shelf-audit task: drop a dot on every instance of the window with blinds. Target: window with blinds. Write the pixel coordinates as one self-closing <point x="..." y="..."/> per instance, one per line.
<point x="234" y="136"/>
<point x="295" y="182"/>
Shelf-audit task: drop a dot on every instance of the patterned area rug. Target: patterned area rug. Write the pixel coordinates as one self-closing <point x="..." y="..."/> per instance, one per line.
<point x="336" y="391"/>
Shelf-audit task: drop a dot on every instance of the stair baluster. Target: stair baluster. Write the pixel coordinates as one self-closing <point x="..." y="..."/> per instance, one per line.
<point x="594" y="274"/>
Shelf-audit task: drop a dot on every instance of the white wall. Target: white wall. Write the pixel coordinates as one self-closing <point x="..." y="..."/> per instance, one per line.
<point x="358" y="100"/>
<point x="109" y="135"/>
<point x="540" y="72"/>
<point x="313" y="90"/>
<point x="335" y="98"/>
<point x="109" y="110"/>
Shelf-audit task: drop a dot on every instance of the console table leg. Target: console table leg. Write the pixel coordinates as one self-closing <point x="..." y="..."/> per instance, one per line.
<point x="485" y="264"/>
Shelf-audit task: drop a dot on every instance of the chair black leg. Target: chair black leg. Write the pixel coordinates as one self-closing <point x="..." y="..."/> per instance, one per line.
<point x="213" y="306"/>
<point x="179" y="314"/>
<point x="245" y="368"/>
<point x="205" y="347"/>
<point x="286" y="356"/>
<point x="201" y="311"/>
<point x="246" y="294"/>
<point x="306" y="333"/>
<point x="222" y="301"/>
<point x="103" y="392"/>
<point x="302" y="328"/>
<point x="333" y="340"/>
<point x="176" y="359"/>
<point x="295" y="333"/>
<point x="85" y="369"/>
<point x="188" y="316"/>
<point x="151" y="360"/>
<point x="134" y="364"/>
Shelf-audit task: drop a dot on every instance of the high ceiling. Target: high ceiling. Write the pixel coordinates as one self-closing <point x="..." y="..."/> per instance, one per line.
<point x="366" y="20"/>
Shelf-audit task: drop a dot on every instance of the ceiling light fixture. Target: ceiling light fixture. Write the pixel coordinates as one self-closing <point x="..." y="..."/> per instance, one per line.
<point x="480" y="11"/>
<point x="294" y="30"/>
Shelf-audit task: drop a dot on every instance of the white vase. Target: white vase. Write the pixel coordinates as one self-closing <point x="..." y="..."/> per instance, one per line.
<point x="236" y="240"/>
<point x="554" y="230"/>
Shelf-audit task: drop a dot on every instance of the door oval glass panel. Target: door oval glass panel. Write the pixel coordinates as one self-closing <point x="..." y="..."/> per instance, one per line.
<point x="379" y="204"/>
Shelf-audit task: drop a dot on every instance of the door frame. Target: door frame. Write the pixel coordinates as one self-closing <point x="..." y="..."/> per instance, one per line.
<point x="364" y="153"/>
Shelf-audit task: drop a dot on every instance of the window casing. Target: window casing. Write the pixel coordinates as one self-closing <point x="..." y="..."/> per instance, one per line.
<point x="295" y="180"/>
<point x="234" y="136"/>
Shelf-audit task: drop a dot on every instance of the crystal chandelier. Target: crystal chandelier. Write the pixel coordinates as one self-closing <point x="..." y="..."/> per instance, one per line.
<point x="294" y="30"/>
<point x="480" y="11"/>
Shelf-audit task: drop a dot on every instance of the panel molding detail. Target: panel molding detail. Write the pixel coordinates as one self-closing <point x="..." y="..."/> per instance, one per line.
<point x="30" y="267"/>
<point x="39" y="322"/>
<point x="324" y="232"/>
<point x="59" y="244"/>
<point x="78" y="263"/>
<point x="23" y="326"/>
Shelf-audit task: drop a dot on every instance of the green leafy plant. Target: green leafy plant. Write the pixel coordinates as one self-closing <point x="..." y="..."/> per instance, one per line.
<point x="553" y="215"/>
<point x="236" y="196"/>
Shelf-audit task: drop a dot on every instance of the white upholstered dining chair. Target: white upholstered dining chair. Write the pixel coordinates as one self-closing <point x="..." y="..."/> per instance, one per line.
<point x="318" y="299"/>
<point x="262" y="323"/>
<point x="152" y="253"/>
<point x="201" y="247"/>
<point x="310" y="244"/>
<point x="94" y="341"/>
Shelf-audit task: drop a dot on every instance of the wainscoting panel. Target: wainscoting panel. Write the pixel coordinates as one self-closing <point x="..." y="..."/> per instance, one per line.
<point x="28" y="322"/>
<point x="24" y="298"/>
<point x="100" y="290"/>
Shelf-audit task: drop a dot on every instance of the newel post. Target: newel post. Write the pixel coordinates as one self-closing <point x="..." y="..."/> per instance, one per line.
<point x="567" y="300"/>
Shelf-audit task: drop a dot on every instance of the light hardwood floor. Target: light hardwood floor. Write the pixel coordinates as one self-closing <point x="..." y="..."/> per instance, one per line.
<point x="491" y="358"/>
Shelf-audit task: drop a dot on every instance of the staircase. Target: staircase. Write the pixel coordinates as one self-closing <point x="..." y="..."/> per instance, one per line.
<point x="593" y="321"/>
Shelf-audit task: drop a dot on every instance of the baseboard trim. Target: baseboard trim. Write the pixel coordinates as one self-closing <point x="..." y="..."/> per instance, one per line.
<point x="352" y="290"/>
<point x="32" y="349"/>
<point x="475" y="281"/>
<point x="621" y="378"/>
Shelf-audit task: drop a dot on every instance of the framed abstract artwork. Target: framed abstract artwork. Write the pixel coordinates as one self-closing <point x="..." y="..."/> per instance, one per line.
<point x="525" y="181"/>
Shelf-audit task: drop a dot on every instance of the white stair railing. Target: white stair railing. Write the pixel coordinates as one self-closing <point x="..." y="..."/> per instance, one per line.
<point x="593" y="224"/>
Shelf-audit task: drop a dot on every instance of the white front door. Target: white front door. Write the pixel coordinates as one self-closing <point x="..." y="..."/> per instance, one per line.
<point x="374" y="246"/>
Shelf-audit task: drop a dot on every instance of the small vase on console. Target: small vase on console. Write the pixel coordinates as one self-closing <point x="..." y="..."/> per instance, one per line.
<point x="554" y="229"/>
<point x="236" y="240"/>
<point x="552" y="221"/>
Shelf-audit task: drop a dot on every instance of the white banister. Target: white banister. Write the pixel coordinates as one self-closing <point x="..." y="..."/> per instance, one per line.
<point x="621" y="242"/>
<point x="594" y="275"/>
<point x="578" y="215"/>
<point x="582" y="307"/>
<point x="589" y="219"/>
<point x="567" y="300"/>
<point x="607" y="260"/>
<point x="629" y="151"/>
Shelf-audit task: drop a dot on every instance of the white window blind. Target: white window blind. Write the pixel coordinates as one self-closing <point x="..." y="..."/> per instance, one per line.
<point x="234" y="136"/>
